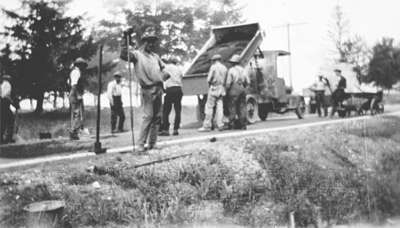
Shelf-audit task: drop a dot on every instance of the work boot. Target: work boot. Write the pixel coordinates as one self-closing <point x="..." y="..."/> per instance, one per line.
<point x="153" y="147"/>
<point x="163" y="133"/>
<point x="141" y="150"/>
<point x="203" y="129"/>
<point x="175" y="133"/>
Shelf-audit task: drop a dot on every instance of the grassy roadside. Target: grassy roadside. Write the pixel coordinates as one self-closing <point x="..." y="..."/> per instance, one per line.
<point x="337" y="173"/>
<point x="58" y="122"/>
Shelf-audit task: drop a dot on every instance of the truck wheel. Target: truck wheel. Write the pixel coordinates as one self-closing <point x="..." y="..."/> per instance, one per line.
<point x="251" y="110"/>
<point x="300" y="109"/>
<point x="263" y="111"/>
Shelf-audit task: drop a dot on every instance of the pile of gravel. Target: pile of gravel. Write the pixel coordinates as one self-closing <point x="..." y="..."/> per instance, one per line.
<point x="226" y="50"/>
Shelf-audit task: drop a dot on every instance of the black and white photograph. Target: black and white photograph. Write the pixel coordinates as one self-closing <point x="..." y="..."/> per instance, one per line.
<point x="200" y="114"/>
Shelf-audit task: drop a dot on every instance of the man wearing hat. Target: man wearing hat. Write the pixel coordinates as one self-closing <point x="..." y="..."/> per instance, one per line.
<point x="114" y="92"/>
<point x="173" y="96"/>
<point x="76" y="97"/>
<point x="150" y="75"/>
<point x="338" y="94"/>
<point x="319" y="88"/>
<point x="216" y="81"/>
<point x="7" y="116"/>
<point x="236" y="84"/>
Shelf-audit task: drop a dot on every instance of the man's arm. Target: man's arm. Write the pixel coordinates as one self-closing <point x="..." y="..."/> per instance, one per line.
<point x="109" y="93"/>
<point x="210" y="75"/>
<point x="124" y="53"/>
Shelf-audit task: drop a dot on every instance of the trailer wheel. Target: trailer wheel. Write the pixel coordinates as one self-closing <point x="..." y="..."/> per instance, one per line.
<point x="251" y="110"/>
<point x="263" y="110"/>
<point x="300" y="109"/>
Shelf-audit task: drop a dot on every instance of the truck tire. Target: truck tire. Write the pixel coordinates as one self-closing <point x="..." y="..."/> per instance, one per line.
<point x="300" y="109"/>
<point x="342" y="113"/>
<point x="263" y="110"/>
<point x="251" y="110"/>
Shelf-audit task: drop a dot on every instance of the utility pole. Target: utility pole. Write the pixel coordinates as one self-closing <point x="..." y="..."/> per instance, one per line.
<point x="288" y="26"/>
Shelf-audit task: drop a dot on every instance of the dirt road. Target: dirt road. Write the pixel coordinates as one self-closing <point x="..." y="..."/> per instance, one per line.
<point x="188" y="134"/>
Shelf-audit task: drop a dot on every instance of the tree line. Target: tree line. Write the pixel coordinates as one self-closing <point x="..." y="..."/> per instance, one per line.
<point x="45" y="41"/>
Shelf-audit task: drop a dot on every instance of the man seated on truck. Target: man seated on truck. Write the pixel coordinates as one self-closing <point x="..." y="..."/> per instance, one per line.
<point x="236" y="84"/>
<point x="338" y="95"/>
<point x="216" y="81"/>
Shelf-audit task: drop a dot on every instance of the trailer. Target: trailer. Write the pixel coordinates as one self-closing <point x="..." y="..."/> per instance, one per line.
<point x="267" y="92"/>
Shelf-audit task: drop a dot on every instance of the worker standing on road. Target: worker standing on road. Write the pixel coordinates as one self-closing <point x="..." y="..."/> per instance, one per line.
<point x="216" y="81"/>
<point x="173" y="96"/>
<point x="7" y="116"/>
<point x="338" y="95"/>
<point x="150" y="75"/>
<point x="76" y="97"/>
<point x="114" y="93"/>
<point x="236" y="84"/>
<point x="319" y="88"/>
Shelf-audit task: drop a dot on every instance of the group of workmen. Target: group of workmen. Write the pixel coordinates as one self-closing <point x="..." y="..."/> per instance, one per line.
<point x="156" y="76"/>
<point x="337" y="95"/>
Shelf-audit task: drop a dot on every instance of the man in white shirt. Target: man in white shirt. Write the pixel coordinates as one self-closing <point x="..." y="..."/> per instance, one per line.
<point x="173" y="96"/>
<point x="76" y="97"/>
<point x="7" y="116"/>
<point x="114" y="94"/>
<point x="216" y="81"/>
<point x="319" y="88"/>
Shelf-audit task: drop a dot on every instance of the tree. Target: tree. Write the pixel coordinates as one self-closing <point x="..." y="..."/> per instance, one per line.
<point x="349" y="48"/>
<point x="49" y="42"/>
<point x="183" y="26"/>
<point x="384" y="67"/>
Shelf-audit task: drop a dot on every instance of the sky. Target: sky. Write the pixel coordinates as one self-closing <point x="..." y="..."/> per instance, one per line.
<point x="311" y="47"/>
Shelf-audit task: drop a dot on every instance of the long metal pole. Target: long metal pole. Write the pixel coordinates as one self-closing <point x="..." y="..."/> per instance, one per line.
<point x="130" y="92"/>
<point x="290" y="57"/>
<point x="97" y="144"/>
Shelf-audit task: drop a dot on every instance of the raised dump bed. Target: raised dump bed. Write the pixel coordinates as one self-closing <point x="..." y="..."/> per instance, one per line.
<point x="243" y="39"/>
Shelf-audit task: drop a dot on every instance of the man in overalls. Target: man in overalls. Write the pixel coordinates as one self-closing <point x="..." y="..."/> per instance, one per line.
<point x="216" y="81"/>
<point x="236" y="85"/>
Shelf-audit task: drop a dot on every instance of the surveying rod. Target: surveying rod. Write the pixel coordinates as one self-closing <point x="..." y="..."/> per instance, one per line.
<point x="97" y="144"/>
<point x="128" y="37"/>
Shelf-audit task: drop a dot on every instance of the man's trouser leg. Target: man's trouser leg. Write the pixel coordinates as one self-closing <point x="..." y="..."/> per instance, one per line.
<point x="319" y="96"/>
<point x="242" y="112"/>
<point x="219" y="112"/>
<point x="121" y="120"/>
<point x="209" y="111"/>
<point x="157" y="115"/>
<point x="151" y="115"/>
<point x="178" y="108"/>
<point x="113" y="118"/>
<point x="166" y="110"/>
<point x="76" y="117"/>
<point x="3" y="121"/>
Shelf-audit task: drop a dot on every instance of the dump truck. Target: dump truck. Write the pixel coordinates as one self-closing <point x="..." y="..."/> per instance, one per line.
<point x="267" y="92"/>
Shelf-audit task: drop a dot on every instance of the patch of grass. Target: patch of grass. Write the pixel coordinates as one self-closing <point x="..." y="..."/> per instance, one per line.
<point x="387" y="127"/>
